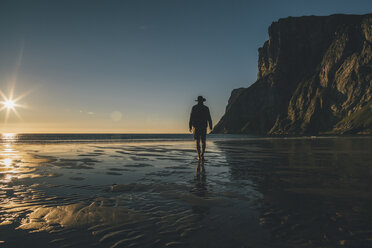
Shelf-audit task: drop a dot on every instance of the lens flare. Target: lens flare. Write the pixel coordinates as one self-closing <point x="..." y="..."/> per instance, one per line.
<point x="11" y="104"/>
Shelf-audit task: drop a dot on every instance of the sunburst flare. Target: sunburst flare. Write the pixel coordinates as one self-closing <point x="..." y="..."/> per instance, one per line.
<point x="10" y="104"/>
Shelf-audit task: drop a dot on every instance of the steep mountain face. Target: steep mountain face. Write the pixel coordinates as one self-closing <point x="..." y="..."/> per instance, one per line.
<point x="314" y="76"/>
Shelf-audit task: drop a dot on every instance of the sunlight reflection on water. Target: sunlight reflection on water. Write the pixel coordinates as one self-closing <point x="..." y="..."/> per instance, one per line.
<point x="8" y="137"/>
<point x="15" y="164"/>
<point x="7" y="162"/>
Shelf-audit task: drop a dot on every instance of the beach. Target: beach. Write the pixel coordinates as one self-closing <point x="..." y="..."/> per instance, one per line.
<point x="255" y="192"/>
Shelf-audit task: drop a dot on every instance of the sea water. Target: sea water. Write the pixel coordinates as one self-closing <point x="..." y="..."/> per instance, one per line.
<point x="136" y="190"/>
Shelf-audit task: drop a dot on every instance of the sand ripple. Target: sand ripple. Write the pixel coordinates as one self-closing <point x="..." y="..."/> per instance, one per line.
<point x="264" y="193"/>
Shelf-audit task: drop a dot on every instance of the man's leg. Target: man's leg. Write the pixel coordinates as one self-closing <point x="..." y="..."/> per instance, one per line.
<point x="204" y="143"/>
<point x="198" y="146"/>
<point x="197" y="139"/>
<point x="203" y="148"/>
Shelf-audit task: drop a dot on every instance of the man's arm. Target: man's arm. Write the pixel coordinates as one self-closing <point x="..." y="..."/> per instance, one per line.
<point x="191" y="119"/>
<point x="210" y="120"/>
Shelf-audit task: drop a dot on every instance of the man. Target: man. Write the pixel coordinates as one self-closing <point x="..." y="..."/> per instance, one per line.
<point x="199" y="120"/>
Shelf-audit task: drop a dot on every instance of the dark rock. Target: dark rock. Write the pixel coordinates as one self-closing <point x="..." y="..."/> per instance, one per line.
<point x="314" y="77"/>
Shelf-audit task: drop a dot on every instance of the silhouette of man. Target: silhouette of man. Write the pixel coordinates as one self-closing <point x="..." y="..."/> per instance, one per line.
<point x="199" y="120"/>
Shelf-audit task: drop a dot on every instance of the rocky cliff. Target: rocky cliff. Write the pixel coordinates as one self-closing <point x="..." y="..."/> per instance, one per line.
<point x="314" y="76"/>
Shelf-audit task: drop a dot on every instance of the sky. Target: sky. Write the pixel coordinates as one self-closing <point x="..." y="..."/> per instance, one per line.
<point x="133" y="66"/>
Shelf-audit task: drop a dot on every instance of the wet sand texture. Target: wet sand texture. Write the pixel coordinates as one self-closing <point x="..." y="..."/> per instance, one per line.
<point x="253" y="193"/>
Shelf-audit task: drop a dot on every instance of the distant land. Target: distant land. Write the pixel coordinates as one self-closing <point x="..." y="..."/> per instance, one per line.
<point x="314" y="77"/>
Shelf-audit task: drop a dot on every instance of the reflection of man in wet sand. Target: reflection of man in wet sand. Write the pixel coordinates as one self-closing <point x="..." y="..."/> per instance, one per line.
<point x="200" y="190"/>
<point x="200" y="169"/>
<point x="199" y="120"/>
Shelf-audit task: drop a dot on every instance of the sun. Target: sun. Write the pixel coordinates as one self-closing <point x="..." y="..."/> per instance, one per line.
<point x="9" y="104"/>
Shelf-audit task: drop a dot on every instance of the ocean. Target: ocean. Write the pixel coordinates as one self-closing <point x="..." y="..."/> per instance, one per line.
<point x="105" y="137"/>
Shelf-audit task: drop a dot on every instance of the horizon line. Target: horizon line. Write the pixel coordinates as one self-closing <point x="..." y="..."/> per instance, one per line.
<point x="90" y="133"/>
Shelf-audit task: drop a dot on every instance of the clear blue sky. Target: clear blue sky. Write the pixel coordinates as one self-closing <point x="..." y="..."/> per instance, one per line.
<point x="134" y="66"/>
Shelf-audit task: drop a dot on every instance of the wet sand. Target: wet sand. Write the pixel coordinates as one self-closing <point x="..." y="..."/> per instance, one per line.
<point x="253" y="193"/>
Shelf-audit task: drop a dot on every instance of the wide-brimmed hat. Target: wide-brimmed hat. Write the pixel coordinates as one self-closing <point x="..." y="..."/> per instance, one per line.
<point x="200" y="99"/>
